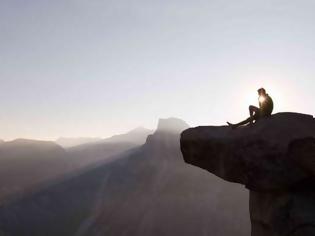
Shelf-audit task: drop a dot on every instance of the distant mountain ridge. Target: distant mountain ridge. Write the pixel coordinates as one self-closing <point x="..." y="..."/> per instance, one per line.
<point x="147" y="191"/>
<point x="26" y="163"/>
<point x="67" y="142"/>
<point x="30" y="143"/>
<point x="136" y="136"/>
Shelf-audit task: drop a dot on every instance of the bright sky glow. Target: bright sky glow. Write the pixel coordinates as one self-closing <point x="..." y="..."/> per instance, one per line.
<point x="97" y="68"/>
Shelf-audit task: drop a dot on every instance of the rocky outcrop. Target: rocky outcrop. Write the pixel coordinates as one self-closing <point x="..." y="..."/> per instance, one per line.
<point x="274" y="158"/>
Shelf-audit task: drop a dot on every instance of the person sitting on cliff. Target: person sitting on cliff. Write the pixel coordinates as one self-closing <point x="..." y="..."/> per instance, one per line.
<point x="264" y="110"/>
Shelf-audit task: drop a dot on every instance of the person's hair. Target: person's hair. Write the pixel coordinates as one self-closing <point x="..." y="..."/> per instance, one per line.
<point x="261" y="90"/>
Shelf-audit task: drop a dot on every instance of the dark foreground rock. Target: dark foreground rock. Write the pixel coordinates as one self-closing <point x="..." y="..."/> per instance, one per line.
<point x="274" y="159"/>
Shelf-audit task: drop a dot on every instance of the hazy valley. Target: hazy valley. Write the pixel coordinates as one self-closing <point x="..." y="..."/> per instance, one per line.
<point x="116" y="187"/>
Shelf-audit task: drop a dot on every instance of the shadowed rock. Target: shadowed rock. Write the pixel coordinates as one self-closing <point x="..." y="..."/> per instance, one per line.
<point x="274" y="159"/>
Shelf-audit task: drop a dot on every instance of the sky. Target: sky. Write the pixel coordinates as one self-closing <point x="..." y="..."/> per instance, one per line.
<point x="82" y="68"/>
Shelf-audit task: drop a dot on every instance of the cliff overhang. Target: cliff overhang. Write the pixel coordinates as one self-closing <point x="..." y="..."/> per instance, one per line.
<point x="273" y="157"/>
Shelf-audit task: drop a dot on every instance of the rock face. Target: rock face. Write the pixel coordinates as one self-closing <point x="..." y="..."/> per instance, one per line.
<point x="274" y="159"/>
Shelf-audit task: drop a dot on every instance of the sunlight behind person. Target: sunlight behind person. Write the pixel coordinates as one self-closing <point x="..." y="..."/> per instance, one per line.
<point x="261" y="99"/>
<point x="275" y="88"/>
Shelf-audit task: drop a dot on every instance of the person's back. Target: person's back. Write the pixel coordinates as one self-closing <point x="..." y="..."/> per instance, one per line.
<point x="266" y="107"/>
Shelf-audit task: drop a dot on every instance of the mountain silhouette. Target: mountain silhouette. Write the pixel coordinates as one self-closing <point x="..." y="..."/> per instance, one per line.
<point x="136" y="136"/>
<point x="148" y="190"/>
<point x="67" y="142"/>
<point x="93" y="153"/>
<point x="26" y="165"/>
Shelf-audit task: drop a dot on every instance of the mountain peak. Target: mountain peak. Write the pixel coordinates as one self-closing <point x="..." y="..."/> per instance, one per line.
<point x="172" y="124"/>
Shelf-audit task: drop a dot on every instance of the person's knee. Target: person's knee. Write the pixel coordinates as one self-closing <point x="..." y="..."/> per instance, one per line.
<point x="253" y="108"/>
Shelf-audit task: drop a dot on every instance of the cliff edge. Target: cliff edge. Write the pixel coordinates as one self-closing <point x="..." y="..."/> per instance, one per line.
<point x="274" y="158"/>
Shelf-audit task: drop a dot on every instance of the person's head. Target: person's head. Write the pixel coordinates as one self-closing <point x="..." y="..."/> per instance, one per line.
<point x="261" y="92"/>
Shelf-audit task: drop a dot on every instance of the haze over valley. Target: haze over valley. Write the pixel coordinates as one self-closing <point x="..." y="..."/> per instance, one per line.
<point x="116" y="188"/>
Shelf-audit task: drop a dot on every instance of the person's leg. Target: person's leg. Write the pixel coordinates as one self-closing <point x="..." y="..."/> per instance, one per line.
<point x="254" y="115"/>
<point x="253" y="111"/>
<point x="244" y="122"/>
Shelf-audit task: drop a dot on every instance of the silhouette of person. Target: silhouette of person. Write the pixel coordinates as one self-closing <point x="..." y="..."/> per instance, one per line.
<point x="255" y="113"/>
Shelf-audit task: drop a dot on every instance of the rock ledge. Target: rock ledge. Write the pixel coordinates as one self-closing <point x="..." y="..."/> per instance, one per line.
<point x="274" y="159"/>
